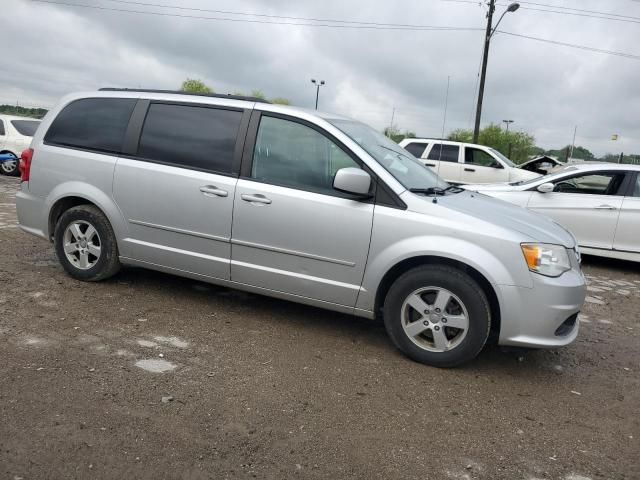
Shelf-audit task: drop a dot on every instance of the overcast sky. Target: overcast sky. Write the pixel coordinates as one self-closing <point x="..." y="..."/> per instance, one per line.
<point x="50" y="50"/>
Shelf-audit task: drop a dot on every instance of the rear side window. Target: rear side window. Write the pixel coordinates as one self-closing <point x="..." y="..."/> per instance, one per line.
<point x="26" y="127"/>
<point x="416" y="149"/>
<point x="445" y="153"/>
<point x="92" y="123"/>
<point x="636" y="190"/>
<point x="2" y="128"/>
<point x="193" y="137"/>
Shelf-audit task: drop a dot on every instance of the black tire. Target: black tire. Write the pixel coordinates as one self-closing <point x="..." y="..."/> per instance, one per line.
<point x="107" y="263"/>
<point x="13" y="171"/>
<point x="462" y="286"/>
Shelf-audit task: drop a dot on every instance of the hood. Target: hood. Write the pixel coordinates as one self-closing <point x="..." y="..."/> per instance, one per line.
<point x="518" y="175"/>
<point x="490" y="187"/>
<point x="537" y="227"/>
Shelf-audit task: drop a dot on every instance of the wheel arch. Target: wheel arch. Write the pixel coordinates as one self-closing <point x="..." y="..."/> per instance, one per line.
<point x="67" y="196"/>
<point x="409" y="263"/>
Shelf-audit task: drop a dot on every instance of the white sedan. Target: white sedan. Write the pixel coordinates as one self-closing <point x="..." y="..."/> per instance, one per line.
<point x="598" y="202"/>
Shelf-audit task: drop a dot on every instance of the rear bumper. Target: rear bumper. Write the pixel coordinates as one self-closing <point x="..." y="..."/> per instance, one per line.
<point x="30" y="210"/>
<point x="543" y="316"/>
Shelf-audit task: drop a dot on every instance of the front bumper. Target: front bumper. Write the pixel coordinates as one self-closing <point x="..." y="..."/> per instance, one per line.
<point x="541" y="317"/>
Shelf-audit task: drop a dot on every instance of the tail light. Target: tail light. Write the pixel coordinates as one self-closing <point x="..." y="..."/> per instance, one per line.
<point x="25" y="164"/>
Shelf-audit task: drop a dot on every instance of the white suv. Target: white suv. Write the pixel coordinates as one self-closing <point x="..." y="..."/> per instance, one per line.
<point x="459" y="162"/>
<point x="15" y="136"/>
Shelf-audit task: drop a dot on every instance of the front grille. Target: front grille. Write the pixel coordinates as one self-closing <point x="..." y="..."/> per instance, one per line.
<point x="567" y="326"/>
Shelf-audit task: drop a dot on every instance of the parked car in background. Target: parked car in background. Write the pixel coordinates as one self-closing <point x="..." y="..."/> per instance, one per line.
<point x="543" y="165"/>
<point x="318" y="208"/>
<point x="15" y="136"/>
<point x="598" y="202"/>
<point x="459" y="162"/>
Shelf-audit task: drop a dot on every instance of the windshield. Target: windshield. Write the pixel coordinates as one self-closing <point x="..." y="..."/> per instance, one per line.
<point x="405" y="168"/>
<point x="26" y="127"/>
<point x="502" y="157"/>
<point x="546" y="178"/>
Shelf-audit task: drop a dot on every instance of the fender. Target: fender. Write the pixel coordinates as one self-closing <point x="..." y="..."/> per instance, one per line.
<point x="93" y="195"/>
<point x="464" y="251"/>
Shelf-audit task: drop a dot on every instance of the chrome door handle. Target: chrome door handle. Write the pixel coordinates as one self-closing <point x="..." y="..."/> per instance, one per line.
<point x="209" y="190"/>
<point x="606" y="207"/>
<point x="255" y="198"/>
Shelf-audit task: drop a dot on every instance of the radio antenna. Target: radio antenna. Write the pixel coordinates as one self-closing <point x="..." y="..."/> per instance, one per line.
<point x="444" y="122"/>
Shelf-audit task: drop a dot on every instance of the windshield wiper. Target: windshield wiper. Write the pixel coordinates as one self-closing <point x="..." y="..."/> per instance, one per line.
<point x="436" y="190"/>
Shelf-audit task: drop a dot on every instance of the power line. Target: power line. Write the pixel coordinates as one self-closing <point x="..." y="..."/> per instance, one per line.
<point x="573" y="45"/>
<point x="364" y="25"/>
<point x="359" y="26"/>
<point x="577" y="12"/>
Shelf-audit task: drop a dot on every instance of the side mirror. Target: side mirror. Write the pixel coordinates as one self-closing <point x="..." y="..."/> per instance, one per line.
<point x="546" y="187"/>
<point x="352" y="180"/>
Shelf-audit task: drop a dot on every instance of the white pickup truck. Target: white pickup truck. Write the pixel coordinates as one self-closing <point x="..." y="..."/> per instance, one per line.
<point x="459" y="162"/>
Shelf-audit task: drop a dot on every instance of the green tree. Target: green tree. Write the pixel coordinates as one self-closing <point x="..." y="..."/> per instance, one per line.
<point x="517" y="145"/>
<point x="258" y="94"/>
<point x="578" y="152"/>
<point x="394" y="133"/>
<point x="281" y="101"/>
<point x="194" y="85"/>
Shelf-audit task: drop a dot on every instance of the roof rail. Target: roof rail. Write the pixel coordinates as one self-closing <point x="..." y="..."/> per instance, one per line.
<point x="180" y="92"/>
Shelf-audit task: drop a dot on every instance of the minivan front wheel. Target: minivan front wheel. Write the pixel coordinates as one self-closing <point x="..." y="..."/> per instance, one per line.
<point x="437" y="315"/>
<point x="85" y="244"/>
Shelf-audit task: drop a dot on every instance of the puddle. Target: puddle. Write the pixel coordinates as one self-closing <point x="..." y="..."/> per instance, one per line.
<point x="155" y="366"/>
<point x="173" y="341"/>
<point x="595" y="300"/>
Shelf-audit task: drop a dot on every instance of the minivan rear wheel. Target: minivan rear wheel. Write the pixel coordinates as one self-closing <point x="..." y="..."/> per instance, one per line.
<point x="437" y="315"/>
<point x="86" y="245"/>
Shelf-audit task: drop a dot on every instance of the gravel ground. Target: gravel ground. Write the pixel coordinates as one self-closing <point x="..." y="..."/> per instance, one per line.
<point x="152" y="376"/>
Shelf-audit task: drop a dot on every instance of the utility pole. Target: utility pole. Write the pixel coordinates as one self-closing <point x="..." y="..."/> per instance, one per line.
<point x="393" y="114"/>
<point x="318" y="84"/>
<point x="483" y="74"/>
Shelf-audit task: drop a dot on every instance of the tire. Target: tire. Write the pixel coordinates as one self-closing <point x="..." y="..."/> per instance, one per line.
<point x="10" y="169"/>
<point x="97" y="258"/>
<point x="455" y="334"/>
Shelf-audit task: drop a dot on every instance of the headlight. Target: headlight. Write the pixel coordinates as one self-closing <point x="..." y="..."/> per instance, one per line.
<point x="546" y="259"/>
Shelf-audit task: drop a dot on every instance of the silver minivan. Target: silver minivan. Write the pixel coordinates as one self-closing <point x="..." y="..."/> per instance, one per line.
<point x="315" y="208"/>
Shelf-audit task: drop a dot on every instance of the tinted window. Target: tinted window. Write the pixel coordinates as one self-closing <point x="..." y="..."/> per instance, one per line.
<point x="92" y="123"/>
<point x="444" y="153"/>
<point x="416" y="149"/>
<point x="26" y="127"/>
<point x="594" y="184"/>
<point x="636" y="190"/>
<point x="480" y="158"/>
<point x="291" y="154"/>
<point x="1" y="127"/>
<point x="194" y="137"/>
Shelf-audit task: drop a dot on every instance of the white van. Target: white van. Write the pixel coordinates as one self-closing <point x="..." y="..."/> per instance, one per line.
<point x="459" y="162"/>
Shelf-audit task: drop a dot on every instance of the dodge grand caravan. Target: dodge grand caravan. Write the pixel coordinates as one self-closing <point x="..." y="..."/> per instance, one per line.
<point x="314" y="208"/>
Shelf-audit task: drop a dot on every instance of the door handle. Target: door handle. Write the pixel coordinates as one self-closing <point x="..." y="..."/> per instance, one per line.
<point x="605" y="207"/>
<point x="209" y="190"/>
<point x="255" y="198"/>
<point x="429" y="164"/>
<point x="469" y="169"/>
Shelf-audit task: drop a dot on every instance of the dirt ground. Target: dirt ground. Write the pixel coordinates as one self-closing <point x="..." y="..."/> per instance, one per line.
<point x="255" y="387"/>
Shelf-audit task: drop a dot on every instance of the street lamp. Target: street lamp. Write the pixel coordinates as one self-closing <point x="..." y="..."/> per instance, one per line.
<point x="318" y="84"/>
<point x="507" y="122"/>
<point x="487" y="41"/>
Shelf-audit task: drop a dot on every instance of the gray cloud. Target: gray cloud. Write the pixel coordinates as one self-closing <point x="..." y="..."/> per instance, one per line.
<point x="546" y="89"/>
